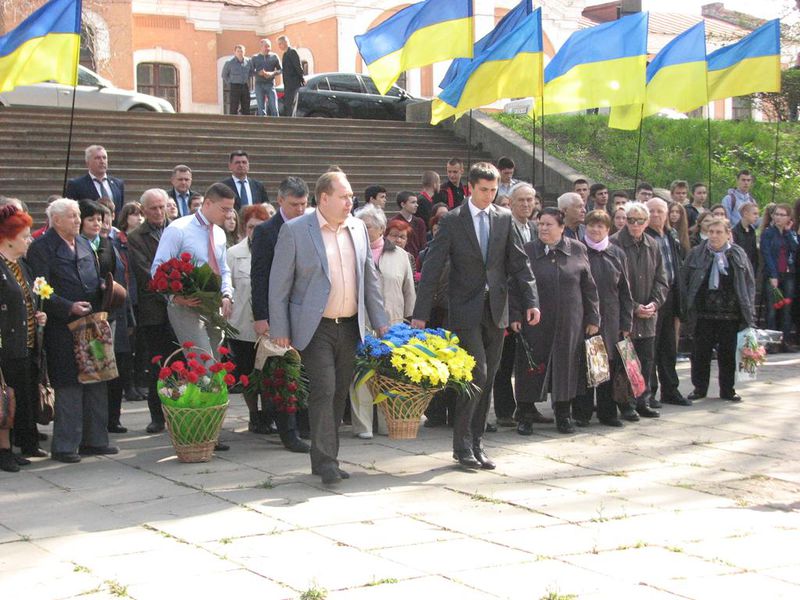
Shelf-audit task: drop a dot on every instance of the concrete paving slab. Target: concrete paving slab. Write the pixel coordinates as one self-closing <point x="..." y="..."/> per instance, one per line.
<point x="422" y="587"/>
<point x="451" y="556"/>
<point x="387" y="533"/>
<point x="739" y="585"/>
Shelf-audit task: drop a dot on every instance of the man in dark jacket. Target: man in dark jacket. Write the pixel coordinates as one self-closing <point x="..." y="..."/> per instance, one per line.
<point x="246" y="190"/>
<point x="97" y="183"/>
<point x="293" y="76"/>
<point x="744" y="233"/>
<point x="649" y="288"/>
<point x="453" y="192"/>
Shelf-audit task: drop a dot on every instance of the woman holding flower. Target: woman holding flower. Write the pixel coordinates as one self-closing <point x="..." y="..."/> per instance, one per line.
<point x="18" y="320"/>
<point x="779" y="250"/>
<point x="720" y="300"/>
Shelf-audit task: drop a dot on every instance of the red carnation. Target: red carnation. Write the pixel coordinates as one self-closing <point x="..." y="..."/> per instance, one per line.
<point x="191" y="355"/>
<point x="186" y="257"/>
<point x="215" y="368"/>
<point x="245" y="380"/>
<point x="205" y="357"/>
<point x="777" y="305"/>
<point x="192" y="377"/>
<point x="276" y="400"/>
<point x="292" y="399"/>
<point x="279" y="372"/>
<point x="156" y="359"/>
<point x="193" y="364"/>
<point x="291" y="409"/>
<point x="279" y="382"/>
<point x="164" y="373"/>
<point x="229" y="366"/>
<point x="787" y="300"/>
<point x="187" y="345"/>
<point x="229" y="379"/>
<point x="201" y="370"/>
<point x="176" y="286"/>
<point x="223" y="351"/>
<point x="178" y="366"/>
<point x="291" y="386"/>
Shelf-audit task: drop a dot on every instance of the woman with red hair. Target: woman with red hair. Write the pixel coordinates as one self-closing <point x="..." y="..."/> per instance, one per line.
<point x="18" y="320"/>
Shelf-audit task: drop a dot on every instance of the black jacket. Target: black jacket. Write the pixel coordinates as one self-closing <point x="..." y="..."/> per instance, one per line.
<point x="292" y="69"/>
<point x="13" y="313"/>
<point x="265" y="236"/>
<point x="678" y="256"/>
<point x="83" y="188"/>
<point x="746" y="239"/>
<point x="258" y="194"/>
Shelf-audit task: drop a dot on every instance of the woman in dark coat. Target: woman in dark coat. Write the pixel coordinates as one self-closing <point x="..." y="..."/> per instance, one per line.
<point x="67" y="262"/>
<point x="569" y="305"/>
<point x="720" y="300"/>
<point x="610" y="274"/>
<point x="18" y="319"/>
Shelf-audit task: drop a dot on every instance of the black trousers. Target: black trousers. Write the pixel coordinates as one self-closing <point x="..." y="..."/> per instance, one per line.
<point x="485" y="343"/>
<point x="584" y="404"/>
<point x="160" y="341"/>
<point x="504" y="403"/>
<point x="289" y="99"/>
<point x="666" y="350"/>
<point x="117" y="385"/>
<point x="722" y="334"/>
<point x="239" y="97"/>
<point x="645" y="350"/>
<point x="21" y="375"/>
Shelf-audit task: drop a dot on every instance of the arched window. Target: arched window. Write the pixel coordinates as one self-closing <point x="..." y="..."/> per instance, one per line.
<point x="87" y="47"/>
<point x="159" y="79"/>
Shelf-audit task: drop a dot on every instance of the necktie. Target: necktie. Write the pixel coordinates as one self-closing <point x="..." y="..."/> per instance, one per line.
<point x="245" y="199"/>
<point x="183" y="205"/>
<point x="104" y="189"/>
<point x="212" y="257"/>
<point x="483" y="234"/>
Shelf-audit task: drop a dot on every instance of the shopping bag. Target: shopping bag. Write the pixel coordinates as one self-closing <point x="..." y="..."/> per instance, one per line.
<point x="93" y="346"/>
<point x="597" y="367"/>
<point x="632" y="366"/>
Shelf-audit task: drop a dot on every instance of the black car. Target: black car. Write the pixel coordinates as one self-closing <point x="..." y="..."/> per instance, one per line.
<point x="346" y="96"/>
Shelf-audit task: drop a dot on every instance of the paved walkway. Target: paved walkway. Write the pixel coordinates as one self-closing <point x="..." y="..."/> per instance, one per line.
<point x="702" y="503"/>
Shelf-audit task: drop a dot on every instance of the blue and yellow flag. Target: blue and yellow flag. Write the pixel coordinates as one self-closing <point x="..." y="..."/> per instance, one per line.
<point x="419" y="35"/>
<point x="753" y="64"/>
<point x="676" y="78"/>
<point x="597" y="67"/>
<point x="505" y="26"/>
<point x="510" y="68"/>
<point x="44" y="47"/>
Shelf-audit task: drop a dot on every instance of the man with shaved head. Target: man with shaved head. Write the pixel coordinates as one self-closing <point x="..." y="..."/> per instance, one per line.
<point x="666" y="343"/>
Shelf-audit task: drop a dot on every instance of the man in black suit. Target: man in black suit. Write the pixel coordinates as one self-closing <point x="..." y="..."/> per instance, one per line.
<point x="181" y="190"/>
<point x="293" y="76"/>
<point x="246" y="190"/>
<point x="97" y="183"/>
<point x="484" y="251"/>
<point x="292" y="202"/>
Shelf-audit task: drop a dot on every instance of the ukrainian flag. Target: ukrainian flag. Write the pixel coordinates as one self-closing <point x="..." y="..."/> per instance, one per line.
<point x="419" y="35"/>
<point x="676" y="78"/>
<point x="753" y="64"/>
<point x="506" y="25"/>
<point x="44" y="47"/>
<point x="512" y="67"/>
<point x="597" y="67"/>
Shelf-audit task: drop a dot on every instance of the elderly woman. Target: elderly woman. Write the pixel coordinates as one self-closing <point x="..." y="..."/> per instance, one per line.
<point x="570" y="310"/>
<point x="720" y="297"/>
<point x="66" y="260"/>
<point x="397" y="284"/>
<point x="609" y="271"/>
<point x="18" y="319"/>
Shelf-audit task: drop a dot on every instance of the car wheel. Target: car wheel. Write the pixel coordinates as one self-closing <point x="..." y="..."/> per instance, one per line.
<point x="140" y="108"/>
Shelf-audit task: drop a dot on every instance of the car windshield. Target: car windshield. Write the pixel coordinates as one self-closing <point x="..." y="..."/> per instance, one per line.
<point x="86" y="77"/>
<point x="345" y="83"/>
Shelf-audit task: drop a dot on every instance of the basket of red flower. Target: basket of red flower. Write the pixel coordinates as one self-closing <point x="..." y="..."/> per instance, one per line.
<point x="194" y="396"/>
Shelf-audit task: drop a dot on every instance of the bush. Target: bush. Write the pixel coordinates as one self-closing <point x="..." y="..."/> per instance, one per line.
<point x="672" y="149"/>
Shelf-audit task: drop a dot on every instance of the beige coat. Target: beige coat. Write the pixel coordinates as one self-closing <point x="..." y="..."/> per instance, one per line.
<point x="238" y="258"/>
<point x="397" y="280"/>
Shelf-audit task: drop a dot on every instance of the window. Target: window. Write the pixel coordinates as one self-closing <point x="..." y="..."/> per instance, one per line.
<point x="370" y="85"/>
<point x="304" y="66"/>
<point x="87" y="78"/>
<point x="159" y="79"/>
<point x="345" y="83"/>
<point x="87" y="47"/>
<point x="742" y="108"/>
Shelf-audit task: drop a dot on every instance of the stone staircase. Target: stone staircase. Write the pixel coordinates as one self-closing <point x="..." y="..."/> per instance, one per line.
<point x="143" y="147"/>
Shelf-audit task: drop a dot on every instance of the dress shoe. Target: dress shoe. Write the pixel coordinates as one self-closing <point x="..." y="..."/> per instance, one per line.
<point x="582" y="422"/>
<point x="506" y="422"/>
<point x="525" y="428"/>
<point x="434" y="423"/>
<point x="615" y="422"/>
<point x="294" y="444"/>
<point x="364" y="435"/>
<point x="466" y="459"/>
<point x="66" y="457"/>
<point x="343" y="474"/>
<point x="491" y="428"/>
<point x="646" y="411"/>
<point x="330" y="475"/>
<point x="629" y="414"/>
<point x="480" y="456"/>
<point x="220" y="447"/>
<point x="21" y="461"/>
<point x="677" y="398"/>
<point x="696" y="395"/>
<point x="155" y="427"/>
<point x="7" y="462"/>
<point x="731" y="397"/>
<point x="538" y="417"/>
<point x="133" y="395"/>
<point x="565" y="425"/>
<point x="653" y="403"/>
<point x="97" y="450"/>
<point x="117" y="429"/>
<point x="34" y="453"/>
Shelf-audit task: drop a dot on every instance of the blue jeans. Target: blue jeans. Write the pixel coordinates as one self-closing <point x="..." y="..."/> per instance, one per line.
<point x="784" y="323"/>
<point x="266" y="90"/>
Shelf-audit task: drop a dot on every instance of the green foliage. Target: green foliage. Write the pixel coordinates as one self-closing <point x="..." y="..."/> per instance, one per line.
<point x="672" y="149"/>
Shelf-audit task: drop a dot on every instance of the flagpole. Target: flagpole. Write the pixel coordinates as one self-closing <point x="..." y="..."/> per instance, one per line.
<point x="775" y="160"/>
<point x="72" y="110"/>
<point x="708" y="122"/>
<point x="469" y="143"/>
<point x="638" y="151"/>
<point x="541" y="126"/>
<point x="533" y="152"/>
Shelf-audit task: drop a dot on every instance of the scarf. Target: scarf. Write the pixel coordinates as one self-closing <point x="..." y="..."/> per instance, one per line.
<point x="598" y="246"/>
<point x="719" y="265"/>
<point x="377" y="249"/>
<point x="95" y="243"/>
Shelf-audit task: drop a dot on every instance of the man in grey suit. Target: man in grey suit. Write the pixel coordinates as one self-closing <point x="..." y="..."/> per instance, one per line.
<point x="318" y="302"/>
<point x="485" y="256"/>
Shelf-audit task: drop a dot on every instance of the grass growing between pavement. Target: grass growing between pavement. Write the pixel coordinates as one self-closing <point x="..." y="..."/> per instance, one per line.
<point x="672" y="149"/>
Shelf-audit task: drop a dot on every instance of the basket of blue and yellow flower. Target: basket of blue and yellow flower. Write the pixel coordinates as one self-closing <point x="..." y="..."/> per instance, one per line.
<point x="406" y="367"/>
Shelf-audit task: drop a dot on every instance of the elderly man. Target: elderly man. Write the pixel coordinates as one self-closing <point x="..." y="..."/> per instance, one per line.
<point x="152" y="322"/>
<point x="181" y="189"/>
<point x="236" y="74"/>
<point x="266" y="65"/>
<point x="523" y="200"/>
<point x="97" y="183"/>
<point x="574" y="207"/>
<point x="323" y="286"/>
<point x="649" y="288"/>
<point x="666" y="348"/>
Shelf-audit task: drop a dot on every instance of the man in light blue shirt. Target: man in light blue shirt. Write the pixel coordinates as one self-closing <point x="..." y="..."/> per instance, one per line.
<point x="738" y="196"/>
<point x="194" y="234"/>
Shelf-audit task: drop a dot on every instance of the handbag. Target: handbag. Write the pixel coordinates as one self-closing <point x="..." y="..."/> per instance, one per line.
<point x="8" y="404"/>
<point x="46" y="398"/>
<point x="93" y="346"/>
<point x="597" y="367"/>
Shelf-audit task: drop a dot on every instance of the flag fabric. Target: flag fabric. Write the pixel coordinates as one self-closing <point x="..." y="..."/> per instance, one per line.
<point x="753" y="64"/>
<point x="510" y="68"/>
<point x="419" y="35"/>
<point x="507" y="24"/>
<point x="44" y="47"/>
<point x="676" y="78"/>
<point x="597" y="67"/>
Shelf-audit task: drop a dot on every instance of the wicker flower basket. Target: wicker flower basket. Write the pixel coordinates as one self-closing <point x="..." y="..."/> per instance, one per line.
<point x="403" y="406"/>
<point x="194" y="431"/>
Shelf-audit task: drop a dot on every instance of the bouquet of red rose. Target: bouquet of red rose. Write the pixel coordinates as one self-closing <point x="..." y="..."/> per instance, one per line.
<point x="184" y="277"/>
<point x="778" y="300"/>
<point x="278" y="376"/>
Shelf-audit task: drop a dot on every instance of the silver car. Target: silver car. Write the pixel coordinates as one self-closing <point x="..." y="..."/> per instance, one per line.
<point x="92" y="93"/>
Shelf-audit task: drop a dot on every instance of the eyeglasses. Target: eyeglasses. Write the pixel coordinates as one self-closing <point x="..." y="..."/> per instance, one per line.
<point x="635" y="221"/>
<point x="779" y="215"/>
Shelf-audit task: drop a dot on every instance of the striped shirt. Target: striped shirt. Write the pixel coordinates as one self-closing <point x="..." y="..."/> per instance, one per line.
<point x="28" y="297"/>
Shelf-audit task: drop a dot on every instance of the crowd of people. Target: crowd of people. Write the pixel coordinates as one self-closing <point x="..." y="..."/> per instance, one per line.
<point x="522" y="285"/>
